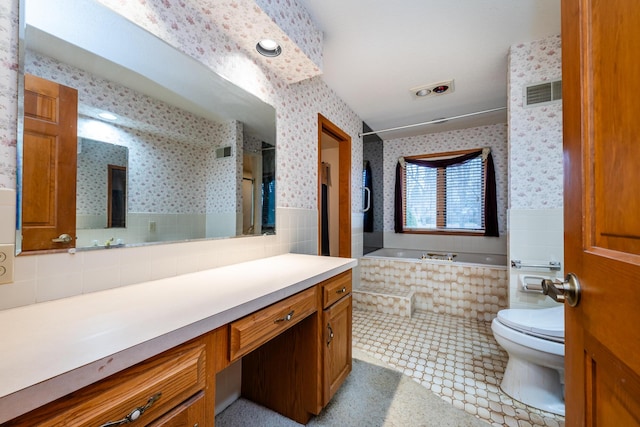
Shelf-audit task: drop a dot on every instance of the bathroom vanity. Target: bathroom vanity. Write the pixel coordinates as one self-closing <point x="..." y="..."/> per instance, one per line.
<point x="152" y="351"/>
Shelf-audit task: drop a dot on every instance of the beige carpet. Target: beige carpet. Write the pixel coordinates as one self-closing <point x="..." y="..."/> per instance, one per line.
<point x="372" y="395"/>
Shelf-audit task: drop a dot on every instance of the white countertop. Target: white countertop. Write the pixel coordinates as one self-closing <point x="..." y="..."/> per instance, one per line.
<point x="52" y="348"/>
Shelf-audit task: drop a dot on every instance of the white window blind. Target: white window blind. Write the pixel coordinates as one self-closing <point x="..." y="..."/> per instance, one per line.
<point x="421" y="197"/>
<point x="447" y="198"/>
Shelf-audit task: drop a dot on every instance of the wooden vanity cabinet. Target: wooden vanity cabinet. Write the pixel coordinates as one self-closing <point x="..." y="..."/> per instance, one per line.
<point x="337" y="334"/>
<point x="166" y="390"/>
<point x="297" y="372"/>
<point x="295" y="355"/>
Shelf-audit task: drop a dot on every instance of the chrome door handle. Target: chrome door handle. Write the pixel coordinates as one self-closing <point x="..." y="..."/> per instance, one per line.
<point x="367" y="192"/>
<point x="63" y="238"/>
<point x="567" y="291"/>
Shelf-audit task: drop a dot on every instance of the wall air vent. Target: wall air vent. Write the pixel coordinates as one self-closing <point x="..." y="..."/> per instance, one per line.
<point x="223" y="152"/>
<point x="542" y="93"/>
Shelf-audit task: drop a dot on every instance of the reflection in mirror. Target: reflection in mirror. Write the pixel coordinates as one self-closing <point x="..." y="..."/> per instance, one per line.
<point x="117" y="197"/>
<point x="181" y="146"/>
<point x="101" y="186"/>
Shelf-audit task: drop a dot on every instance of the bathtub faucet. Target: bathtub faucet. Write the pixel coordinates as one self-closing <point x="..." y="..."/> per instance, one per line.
<point x="440" y="256"/>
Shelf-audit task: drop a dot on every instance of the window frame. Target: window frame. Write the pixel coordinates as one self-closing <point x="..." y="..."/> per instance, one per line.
<point x="441" y="189"/>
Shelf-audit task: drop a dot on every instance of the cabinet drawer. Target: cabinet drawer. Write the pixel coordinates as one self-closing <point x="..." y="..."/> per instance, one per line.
<point x="335" y="288"/>
<point x="253" y="330"/>
<point x="171" y="378"/>
<point x="190" y="413"/>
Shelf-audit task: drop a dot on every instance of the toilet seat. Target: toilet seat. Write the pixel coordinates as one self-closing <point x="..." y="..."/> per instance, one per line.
<point x="545" y="323"/>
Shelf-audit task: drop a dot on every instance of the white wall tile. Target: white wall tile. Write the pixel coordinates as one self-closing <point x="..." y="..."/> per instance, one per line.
<point x="538" y="240"/>
<point x="18" y="293"/>
<point x="63" y="285"/>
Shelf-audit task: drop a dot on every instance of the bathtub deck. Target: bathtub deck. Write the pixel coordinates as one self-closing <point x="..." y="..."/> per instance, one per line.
<point x="472" y="291"/>
<point x="384" y="298"/>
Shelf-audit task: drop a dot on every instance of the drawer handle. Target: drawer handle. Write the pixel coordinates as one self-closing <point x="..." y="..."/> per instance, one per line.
<point x="330" y="334"/>
<point x="341" y="291"/>
<point x="135" y="414"/>
<point x="286" y="318"/>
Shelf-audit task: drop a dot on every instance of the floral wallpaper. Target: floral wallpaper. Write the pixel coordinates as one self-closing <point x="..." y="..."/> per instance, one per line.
<point x="211" y="29"/>
<point x="535" y="133"/>
<point x="94" y="157"/>
<point x="535" y="165"/>
<point x="135" y="110"/>
<point x="167" y="146"/>
<point x="195" y="29"/>
<point x="298" y="25"/>
<point x="494" y="136"/>
<point x="8" y="91"/>
<point x="190" y="27"/>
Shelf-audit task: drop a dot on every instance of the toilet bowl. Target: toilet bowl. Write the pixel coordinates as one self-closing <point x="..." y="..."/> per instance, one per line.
<point x="534" y="340"/>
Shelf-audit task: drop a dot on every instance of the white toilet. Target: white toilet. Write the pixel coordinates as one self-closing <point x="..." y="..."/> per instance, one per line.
<point x="534" y="340"/>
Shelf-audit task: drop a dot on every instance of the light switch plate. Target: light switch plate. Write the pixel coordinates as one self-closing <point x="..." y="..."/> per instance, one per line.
<point x="7" y="256"/>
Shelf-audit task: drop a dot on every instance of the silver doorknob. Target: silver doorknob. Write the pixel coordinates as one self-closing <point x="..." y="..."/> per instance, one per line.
<point x="567" y="291"/>
<point x="63" y="238"/>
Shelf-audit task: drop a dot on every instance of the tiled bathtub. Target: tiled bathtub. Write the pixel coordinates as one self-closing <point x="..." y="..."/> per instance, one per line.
<point x="399" y="281"/>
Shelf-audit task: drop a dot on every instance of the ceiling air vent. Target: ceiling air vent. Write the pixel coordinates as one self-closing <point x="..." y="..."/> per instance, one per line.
<point x="543" y="93"/>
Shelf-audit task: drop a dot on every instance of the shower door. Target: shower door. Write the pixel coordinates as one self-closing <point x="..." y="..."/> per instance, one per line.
<point x="372" y="194"/>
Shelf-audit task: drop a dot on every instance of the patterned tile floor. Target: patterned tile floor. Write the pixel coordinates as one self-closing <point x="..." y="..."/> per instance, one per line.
<point x="458" y="359"/>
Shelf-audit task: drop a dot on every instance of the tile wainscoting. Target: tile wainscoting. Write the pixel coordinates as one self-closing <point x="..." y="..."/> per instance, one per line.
<point x="470" y="291"/>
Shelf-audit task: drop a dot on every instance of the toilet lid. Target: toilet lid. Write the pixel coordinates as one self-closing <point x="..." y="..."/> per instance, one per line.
<point x="545" y="323"/>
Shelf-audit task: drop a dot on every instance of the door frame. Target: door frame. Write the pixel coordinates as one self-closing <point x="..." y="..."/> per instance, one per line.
<point x="325" y="126"/>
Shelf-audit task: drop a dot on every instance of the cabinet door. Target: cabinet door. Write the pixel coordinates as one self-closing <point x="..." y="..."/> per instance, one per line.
<point x="337" y="346"/>
<point x="188" y="414"/>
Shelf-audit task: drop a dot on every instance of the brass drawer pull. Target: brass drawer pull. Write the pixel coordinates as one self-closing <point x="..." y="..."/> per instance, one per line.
<point x="135" y="414"/>
<point x="341" y="291"/>
<point x="287" y="318"/>
<point x="330" y="334"/>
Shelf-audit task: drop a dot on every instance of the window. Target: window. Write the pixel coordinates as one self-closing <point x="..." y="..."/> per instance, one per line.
<point x="446" y="192"/>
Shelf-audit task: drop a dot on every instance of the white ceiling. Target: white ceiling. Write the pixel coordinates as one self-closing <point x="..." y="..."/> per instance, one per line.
<point x="376" y="50"/>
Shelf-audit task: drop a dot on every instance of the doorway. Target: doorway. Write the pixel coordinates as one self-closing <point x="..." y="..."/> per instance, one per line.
<point x="116" y="196"/>
<point x="334" y="190"/>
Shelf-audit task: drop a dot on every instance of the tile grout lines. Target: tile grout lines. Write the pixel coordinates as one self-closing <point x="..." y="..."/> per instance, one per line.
<point x="458" y="359"/>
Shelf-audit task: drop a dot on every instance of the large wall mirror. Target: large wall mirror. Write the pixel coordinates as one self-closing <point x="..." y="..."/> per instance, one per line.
<point x="164" y="149"/>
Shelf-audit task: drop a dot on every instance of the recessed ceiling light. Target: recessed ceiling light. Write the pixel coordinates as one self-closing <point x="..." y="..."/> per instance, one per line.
<point x="268" y="47"/>
<point x="108" y="116"/>
<point x="440" y="89"/>
<point x="423" y="92"/>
